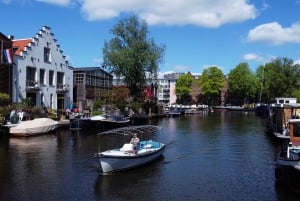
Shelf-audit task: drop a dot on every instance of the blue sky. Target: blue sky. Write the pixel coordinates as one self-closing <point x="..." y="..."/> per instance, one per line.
<point x="197" y="33"/>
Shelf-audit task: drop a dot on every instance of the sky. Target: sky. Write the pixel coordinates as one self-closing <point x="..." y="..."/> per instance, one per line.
<point x="197" y="34"/>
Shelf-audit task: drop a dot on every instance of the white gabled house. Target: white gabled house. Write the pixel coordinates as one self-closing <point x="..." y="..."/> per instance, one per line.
<point x="41" y="72"/>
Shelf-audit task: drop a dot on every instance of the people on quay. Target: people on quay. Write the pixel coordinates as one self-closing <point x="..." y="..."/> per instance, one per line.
<point x="135" y="142"/>
<point x="13" y="117"/>
<point x="20" y="115"/>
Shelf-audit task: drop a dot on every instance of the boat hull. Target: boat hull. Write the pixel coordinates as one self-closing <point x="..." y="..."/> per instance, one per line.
<point x="115" y="163"/>
<point x="287" y="171"/>
<point x="33" y="127"/>
<point x="107" y="124"/>
<point x="84" y="124"/>
<point x="288" y="176"/>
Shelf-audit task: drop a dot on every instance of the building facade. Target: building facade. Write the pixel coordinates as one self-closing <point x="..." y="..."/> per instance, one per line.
<point x="171" y="78"/>
<point x="41" y="72"/>
<point x="90" y="84"/>
<point x="6" y="62"/>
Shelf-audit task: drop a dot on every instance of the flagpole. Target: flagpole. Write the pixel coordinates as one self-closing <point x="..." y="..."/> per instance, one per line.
<point x="262" y="83"/>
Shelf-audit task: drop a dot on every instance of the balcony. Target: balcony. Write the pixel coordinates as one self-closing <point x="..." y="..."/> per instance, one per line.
<point x="62" y="88"/>
<point x="32" y="86"/>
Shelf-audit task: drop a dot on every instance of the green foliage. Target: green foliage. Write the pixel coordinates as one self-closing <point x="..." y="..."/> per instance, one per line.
<point x="296" y="94"/>
<point x="52" y="114"/>
<point x="26" y="103"/>
<point x="183" y="87"/>
<point x="4" y="99"/>
<point x="211" y="82"/>
<point x="243" y="85"/>
<point x="131" y="54"/>
<point x="97" y="105"/>
<point x="280" y="78"/>
<point x="97" y="112"/>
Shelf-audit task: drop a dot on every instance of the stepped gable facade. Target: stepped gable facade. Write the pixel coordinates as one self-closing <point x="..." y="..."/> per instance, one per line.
<point x="41" y="72"/>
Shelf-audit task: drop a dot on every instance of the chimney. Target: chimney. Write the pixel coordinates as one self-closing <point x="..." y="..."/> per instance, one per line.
<point x="11" y="37"/>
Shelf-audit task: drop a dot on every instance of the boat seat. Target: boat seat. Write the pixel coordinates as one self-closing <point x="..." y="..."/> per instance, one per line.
<point x="127" y="147"/>
<point x="147" y="146"/>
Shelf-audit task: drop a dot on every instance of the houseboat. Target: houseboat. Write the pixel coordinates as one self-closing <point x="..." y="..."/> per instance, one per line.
<point x="280" y="115"/>
<point x="287" y="171"/>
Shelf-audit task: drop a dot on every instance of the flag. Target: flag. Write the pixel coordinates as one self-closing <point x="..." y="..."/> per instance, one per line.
<point x="7" y="53"/>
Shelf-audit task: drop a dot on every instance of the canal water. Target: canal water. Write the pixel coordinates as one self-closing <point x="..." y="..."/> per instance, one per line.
<point x="218" y="156"/>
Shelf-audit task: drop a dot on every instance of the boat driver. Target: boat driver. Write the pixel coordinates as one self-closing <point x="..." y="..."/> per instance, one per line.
<point x="135" y="141"/>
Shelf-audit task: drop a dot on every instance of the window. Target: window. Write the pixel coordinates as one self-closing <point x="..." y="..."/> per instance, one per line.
<point x="47" y="54"/>
<point x="297" y="130"/>
<point x="42" y="76"/>
<point x="79" y="78"/>
<point x="30" y="76"/>
<point x="60" y="80"/>
<point x="51" y="78"/>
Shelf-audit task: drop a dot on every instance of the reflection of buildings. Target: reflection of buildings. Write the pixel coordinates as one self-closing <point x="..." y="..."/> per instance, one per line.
<point x="90" y="83"/>
<point x="40" y="72"/>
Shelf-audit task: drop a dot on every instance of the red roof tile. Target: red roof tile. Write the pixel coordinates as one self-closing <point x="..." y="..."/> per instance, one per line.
<point x="19" y="45"/>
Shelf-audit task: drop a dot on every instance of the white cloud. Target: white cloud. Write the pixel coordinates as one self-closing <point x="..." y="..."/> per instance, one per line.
<point x="253" y="57"/>
<point x="275" y="34"/>
<point x="297" y="62"/>
<point x="99" y="61"/>
<point x="181" y="68"/>
<point x="203" y="13"/>
<point x="177" y="12"/>
<point x="258" y="58"/>
<point x="57" y="2"/>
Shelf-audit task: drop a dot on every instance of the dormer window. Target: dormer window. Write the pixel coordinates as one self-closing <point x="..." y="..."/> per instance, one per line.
<point x="47" y="54"/>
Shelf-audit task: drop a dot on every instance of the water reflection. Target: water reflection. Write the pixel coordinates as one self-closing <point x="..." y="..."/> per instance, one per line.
<point x="137" y="184"/>
<point x="209" y="156"/>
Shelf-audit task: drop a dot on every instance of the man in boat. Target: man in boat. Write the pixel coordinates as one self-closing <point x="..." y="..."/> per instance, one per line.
<point x="135" y="141"/>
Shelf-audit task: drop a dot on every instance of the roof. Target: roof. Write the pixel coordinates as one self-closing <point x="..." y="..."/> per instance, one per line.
<point x="19" y="45"/>
<point x="129" y="130"/>
<point x="6" y="42"/>
<point x="89" y="69"/>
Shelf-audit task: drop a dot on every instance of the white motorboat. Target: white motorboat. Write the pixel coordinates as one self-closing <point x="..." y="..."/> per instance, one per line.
<point x="33" y="127"/>
<point x="125" y="157"/>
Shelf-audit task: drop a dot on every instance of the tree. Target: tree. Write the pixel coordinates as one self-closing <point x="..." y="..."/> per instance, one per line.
<point x="131" y="54"/>
<point x="211" y="83"/>
<point x="183" y="88"/>
<point x="242" y="84"/>
<point x="281" y="78"/>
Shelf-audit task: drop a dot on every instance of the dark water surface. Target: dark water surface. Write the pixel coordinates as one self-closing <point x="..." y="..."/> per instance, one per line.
<point x="219" y="156"/>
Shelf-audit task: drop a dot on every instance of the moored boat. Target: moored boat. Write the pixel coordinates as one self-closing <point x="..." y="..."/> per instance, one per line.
<point x="287" y="171"/>
<point x="175" y="113"/>
<point x="86" y="123"/>
<point x="126" y="157"/>
<point x="113" y="121"/>
<point x="33" y="127"/>
<point x="279" y="118"/>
